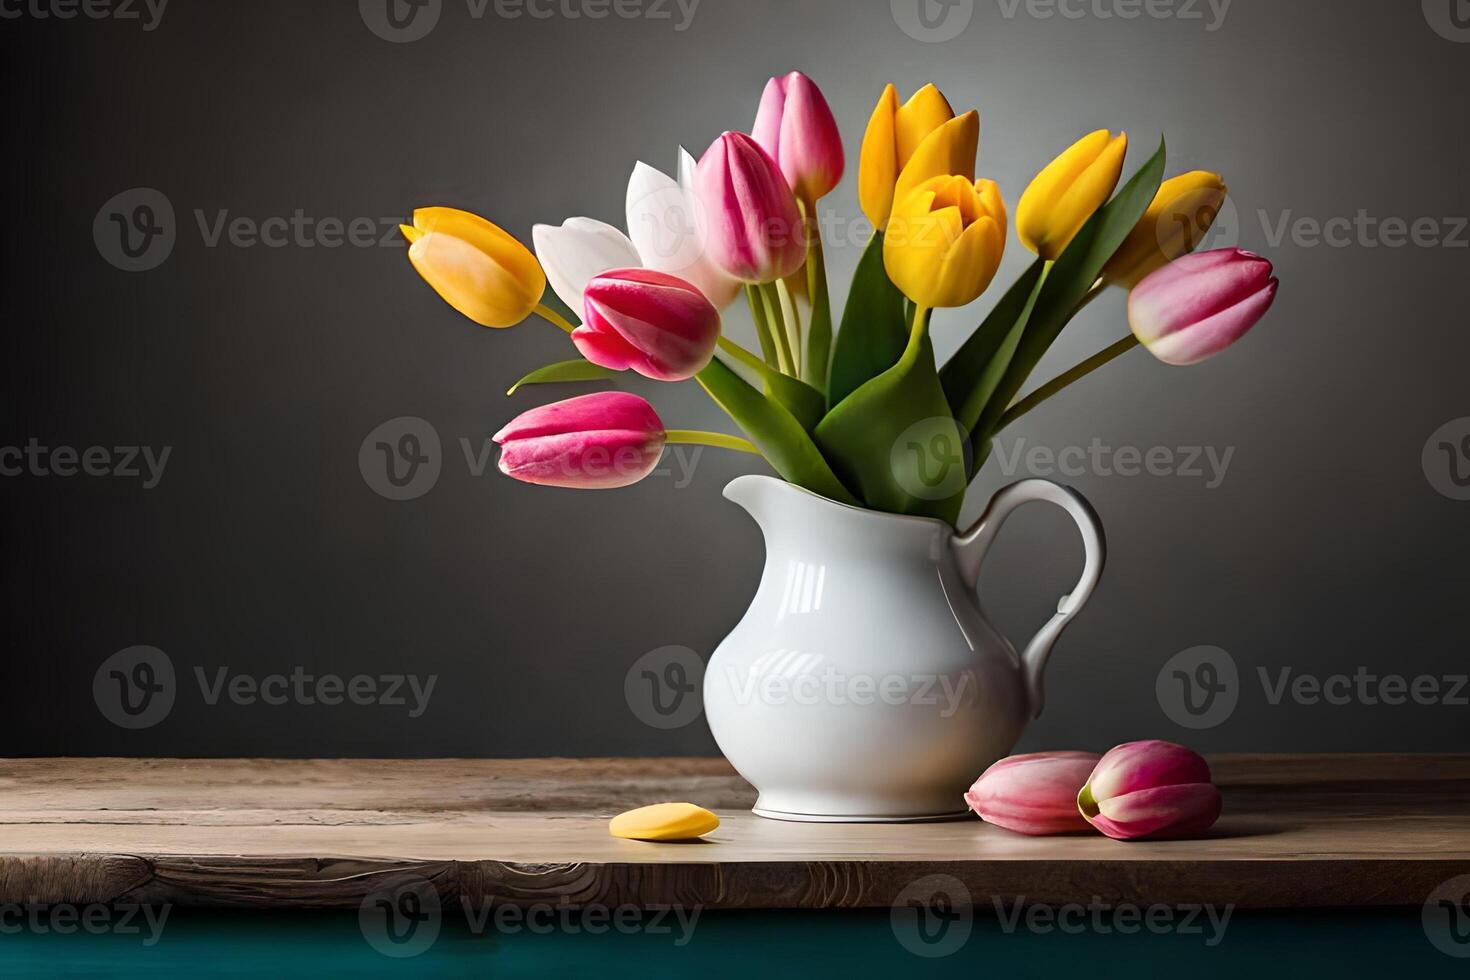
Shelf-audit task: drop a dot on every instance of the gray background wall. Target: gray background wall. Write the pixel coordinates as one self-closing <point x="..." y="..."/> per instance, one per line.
<point x="1326" y="548"/>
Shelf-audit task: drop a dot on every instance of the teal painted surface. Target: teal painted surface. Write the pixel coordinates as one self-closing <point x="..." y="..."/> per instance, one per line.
<point x="750" y="946"/>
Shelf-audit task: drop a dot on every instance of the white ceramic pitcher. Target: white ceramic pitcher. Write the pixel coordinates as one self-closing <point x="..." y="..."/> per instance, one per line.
<point x="864" y="684"/>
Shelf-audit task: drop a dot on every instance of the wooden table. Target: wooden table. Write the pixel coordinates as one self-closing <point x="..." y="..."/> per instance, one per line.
<point x="1298" y="832"/>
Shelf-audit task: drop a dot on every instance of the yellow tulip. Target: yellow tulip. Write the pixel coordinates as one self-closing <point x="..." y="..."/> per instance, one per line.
<point x="477" y="267"/>
<point x="893" y="135"/>
<point x="1182" y="211"/>
<point x="948" y="151"/>
<point x="945" y="240"/>
<point x="1065" y="194"/>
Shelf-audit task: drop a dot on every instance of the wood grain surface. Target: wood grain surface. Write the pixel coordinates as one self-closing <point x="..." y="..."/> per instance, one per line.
<point x="1298" y="831"/>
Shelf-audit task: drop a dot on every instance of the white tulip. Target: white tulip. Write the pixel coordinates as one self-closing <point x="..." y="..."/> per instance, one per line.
<point x="667" y="228"/>
<point x="578" y="251"/>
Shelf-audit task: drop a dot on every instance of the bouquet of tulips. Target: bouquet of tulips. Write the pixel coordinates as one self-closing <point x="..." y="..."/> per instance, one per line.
<point x="837" y="411"/>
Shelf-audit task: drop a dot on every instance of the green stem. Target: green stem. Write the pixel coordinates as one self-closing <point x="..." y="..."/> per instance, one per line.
<point x="818" y="358"/>
<point x="778" y="330"/>
<point x="551" y="316"/>
<point x="919" y="326"/>
<point x="698" y="437"/>
<point x="743" y="356"/>
<point x="762" y="325"/>
<point x="792" y="316"/>
<point x="1061" y="381"/>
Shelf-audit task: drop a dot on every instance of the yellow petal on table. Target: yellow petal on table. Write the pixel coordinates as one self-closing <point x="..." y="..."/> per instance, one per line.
<point x="664" y="821"/>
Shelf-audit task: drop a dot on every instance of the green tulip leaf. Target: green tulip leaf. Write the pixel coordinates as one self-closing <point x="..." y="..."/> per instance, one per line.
<point x="806" y="404"/>
<point x="873" y="335"/>
<point x="783" y="441"/>
<point x="972" y="375"/>
<point x="1071" y="278"/>
<point x="578" y="370"/>
<point x="895" y="441"/>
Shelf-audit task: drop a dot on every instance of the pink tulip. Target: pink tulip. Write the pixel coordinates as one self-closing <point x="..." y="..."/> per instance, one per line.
<point x="754" y="225"/>
<point x="795" y="126"/>
<point x="1034" y="794"/>
<point x="657" y="324"/>
<point x="594" y="442"/>
<point x="1150" y="789"/>
<point x="1198" y="305"/>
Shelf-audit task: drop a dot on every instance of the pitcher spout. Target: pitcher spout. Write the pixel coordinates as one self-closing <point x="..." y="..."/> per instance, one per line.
<point x="753" y="493"/>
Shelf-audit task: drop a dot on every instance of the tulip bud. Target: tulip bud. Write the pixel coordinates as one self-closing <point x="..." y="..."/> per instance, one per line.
<point x="795" y="126"/>
<point x="657" y="324"/>
<point x="945" y="240"/>
<point x="894" y="132"/>
<point x="600" y="441"/>
<point x="1034" y="794"/>
<point x="1066" y="193"/>
<point x="477" y="267"/>
<point x="1177" y="220"/>
<point x="1198" y="305"/>
<point x="755" y="229"/>
<point x="1150" y="789"/>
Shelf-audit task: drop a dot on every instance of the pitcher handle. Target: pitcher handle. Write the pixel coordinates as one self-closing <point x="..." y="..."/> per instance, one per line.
<point x="971" y="548"/>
